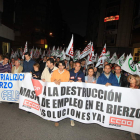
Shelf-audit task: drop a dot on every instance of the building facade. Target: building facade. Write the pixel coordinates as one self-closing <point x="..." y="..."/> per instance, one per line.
<point x="114" y="22"/>
<point x="6" y="26"/>
<point x="136" y="31"/>
<point x="39" y="23"/>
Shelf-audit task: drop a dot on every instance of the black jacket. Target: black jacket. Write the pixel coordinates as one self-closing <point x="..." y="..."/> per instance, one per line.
<point x="37" y="73"/>
<point x="123" y="81"/>
<point x="42" y="66"/>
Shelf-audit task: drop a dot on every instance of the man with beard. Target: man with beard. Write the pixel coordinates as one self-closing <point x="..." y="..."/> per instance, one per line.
<point x="107" y="77"/>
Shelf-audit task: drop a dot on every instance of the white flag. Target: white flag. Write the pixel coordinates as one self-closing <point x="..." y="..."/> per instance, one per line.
<point x="67" y="58"/>
<point x="57" y="53"/>
<point x="76" y="56"/>
<point x="63" y="57"/>
<point x="12" y="54"/>
<point x="31" y="53"/>
<point x="86" y="51"/>
<point x="53" y="52"/>
<point x="113" y="58"/>
<point x="103" y="51"/>
<point x="69" y="50"/>
<point x="25" y="50"/>
<point x="129" y="65"/>
<point x="102" y="57"/>
<point x="90" y="55"/>
<point x="138" y="68"/>
<point x="40" y="51"/>
<point x="121" y="60"/>
<point x="94" y="58"/>
<point x="43" y="54"/>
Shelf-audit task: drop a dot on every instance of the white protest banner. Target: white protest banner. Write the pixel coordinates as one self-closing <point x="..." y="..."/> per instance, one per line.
<point x="10" y="86"/>
<point x="112" y="107"/>
<point x="129" y="65"/>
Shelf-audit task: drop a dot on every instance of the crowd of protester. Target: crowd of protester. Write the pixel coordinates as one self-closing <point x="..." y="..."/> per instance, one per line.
<point x="51" y="69"/>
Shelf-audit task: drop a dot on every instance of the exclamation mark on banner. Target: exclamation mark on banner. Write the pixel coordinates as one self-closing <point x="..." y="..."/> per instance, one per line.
<point x="103" y="119"/>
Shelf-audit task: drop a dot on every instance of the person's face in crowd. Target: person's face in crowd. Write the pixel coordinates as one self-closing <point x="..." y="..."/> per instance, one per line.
<point x="117" y="70"/>
<point x="77" y="66"/>
<point x="45" y="59"/>
<point x="12" y="61"/>
<point x="95" y="69"/>
<point x="115" y="65"/>
<point x="66" y="61"/>
<point x="49" y="65"/>
<point x="36" y="68"/>
<point x="27" y="57"/>
<point x="61" y="67"/>
<point x="71" y="62"/>
<point x="90" y="72"/>
<point x="73" y="66"/>
<point x="105" y="63"/>
<point x="107" y="69"/>
<point x="83" y="62"/>
<point x="5" y="61"/>
<point x="132" y="80"/>
<point x="17" y="63"/>
<point x="58" y="59"/>
<point x="111" y="65"/>
<point x="52" y="57"/>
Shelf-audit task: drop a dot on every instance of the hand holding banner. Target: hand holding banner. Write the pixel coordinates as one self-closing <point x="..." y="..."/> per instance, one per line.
<point x="112" y="107"/>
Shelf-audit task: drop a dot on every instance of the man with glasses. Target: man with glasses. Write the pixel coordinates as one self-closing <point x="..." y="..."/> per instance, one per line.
<point x="122" y="79"/>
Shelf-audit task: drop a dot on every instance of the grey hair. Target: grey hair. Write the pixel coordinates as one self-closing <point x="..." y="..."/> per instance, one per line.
<point x="18" y="60"/>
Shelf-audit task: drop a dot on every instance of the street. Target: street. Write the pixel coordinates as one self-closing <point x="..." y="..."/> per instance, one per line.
<point x="16" y="124"/>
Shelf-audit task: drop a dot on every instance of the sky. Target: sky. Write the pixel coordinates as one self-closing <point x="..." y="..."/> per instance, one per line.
<point x="74" y="12"/>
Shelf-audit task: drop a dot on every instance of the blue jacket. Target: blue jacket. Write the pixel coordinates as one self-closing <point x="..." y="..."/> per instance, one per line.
<point x="77" y="76"/>
<point x="28" y="66"/>
<point x="112" y="80"/>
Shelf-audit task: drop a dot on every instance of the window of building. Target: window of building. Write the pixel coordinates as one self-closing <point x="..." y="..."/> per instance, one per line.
<point x="112" y="11"/>
<point x="136" y="14"/>
<point x="111" y="25"/>
<point x="137" y="8"/>
<point x="5" y="47"/>
<point x="110" y="40"/>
